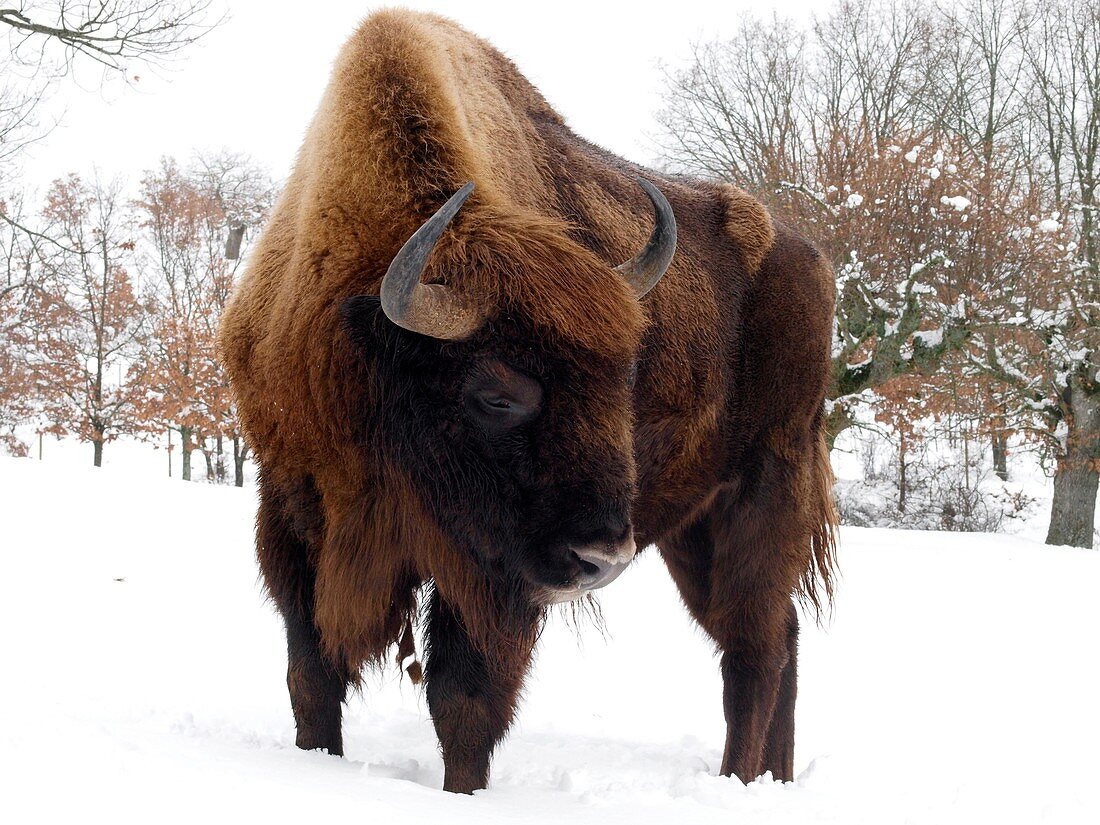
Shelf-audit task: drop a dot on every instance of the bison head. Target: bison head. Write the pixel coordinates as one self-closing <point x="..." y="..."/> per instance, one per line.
<point x="510" y="404"/>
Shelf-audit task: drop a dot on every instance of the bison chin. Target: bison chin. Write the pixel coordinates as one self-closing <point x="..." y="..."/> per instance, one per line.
<point x="593" y="566"/>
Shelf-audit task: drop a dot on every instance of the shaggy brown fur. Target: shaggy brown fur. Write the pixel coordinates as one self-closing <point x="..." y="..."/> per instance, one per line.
<point x="374" y="480"/>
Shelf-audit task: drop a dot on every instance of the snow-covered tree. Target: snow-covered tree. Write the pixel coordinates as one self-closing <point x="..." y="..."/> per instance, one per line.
<point x="948" y="159"/>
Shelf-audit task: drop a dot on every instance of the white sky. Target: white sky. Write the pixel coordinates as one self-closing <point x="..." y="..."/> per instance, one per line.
<point x="252" y="84"/>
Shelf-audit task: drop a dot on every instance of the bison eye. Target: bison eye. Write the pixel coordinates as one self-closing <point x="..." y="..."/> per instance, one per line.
<point x="500" y="397"/>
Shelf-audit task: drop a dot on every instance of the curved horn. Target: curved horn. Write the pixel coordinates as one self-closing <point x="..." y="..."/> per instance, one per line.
<point x="429" y="309"/>
<point x="649" y="266"/>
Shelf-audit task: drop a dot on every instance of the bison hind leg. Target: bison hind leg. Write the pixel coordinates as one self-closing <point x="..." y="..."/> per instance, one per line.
<point x="733" y="566"/>
<point x="779" y="745"/>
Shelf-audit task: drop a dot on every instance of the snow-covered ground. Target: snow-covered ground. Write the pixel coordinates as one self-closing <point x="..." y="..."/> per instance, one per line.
<point x="143" y="680"/>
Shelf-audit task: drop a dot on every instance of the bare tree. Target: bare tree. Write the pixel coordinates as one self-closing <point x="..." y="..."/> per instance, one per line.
<point x="878" y="71"/>
<point x="50" y="39"/>
<point x="20" y="124"/>
<point x="984" y="109"/>
<point x="113" y="33"/>
<point x="733" y="113"/>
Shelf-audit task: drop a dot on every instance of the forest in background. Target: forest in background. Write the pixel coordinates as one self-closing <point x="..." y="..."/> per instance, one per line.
<point x="946" y="158"/>
<point x="111" y="305"/>
<point x="111" y="296"/>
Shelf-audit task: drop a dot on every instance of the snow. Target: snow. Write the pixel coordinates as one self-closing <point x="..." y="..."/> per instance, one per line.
<point x="145" y="677"/>
<point x="853" y="200"/>
<point x="958" y="202"/>
<point x="929" y="337"/>
<point x="1048" y="225"/>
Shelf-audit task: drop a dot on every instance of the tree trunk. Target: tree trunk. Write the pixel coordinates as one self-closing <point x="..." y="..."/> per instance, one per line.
<point x="185" y="452"/>
<point x="97" y="452"/>
<point x="837" y="421"/>
<point x="1000" y="456"/>
<point x="1075" y="479"/>
<point x="240" y="453"/>
<point x="902" y="480"/>
<point x="966" y="461"/>
<point x="219" y="461"/>
<point x="1071" y="516"/>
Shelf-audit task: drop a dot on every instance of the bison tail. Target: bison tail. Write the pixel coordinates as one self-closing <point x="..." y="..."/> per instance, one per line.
<point x="816" y="587"/>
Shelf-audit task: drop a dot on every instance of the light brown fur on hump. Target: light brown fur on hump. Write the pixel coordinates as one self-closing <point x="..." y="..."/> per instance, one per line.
<point x="422" y="103"/>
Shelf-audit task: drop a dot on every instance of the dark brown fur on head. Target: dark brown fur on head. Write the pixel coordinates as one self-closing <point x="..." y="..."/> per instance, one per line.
<point x="498" y="495"/>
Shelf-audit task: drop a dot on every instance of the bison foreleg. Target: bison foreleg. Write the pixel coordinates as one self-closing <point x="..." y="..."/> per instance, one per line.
<point x="317" y="689"/>
<point x="471" y="693"/>
<point x="316" y="684"/>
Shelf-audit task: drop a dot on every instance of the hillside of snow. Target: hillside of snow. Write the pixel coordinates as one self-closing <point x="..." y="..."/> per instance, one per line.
<point x="957" y="682"/>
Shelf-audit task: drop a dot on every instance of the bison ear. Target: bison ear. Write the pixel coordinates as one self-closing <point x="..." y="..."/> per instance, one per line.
<point x="360" y="316"/>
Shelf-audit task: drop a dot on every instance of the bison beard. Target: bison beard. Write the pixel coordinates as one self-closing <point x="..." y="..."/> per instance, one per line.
<point x="466" y="388"/>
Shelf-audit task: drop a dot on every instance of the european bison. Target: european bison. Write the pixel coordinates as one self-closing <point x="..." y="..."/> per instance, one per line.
<point x="469" y="388"/>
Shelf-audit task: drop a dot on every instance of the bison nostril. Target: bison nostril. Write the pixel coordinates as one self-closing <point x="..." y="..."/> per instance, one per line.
<point x="588" y="564"/>
<point x="597" y="569"/>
